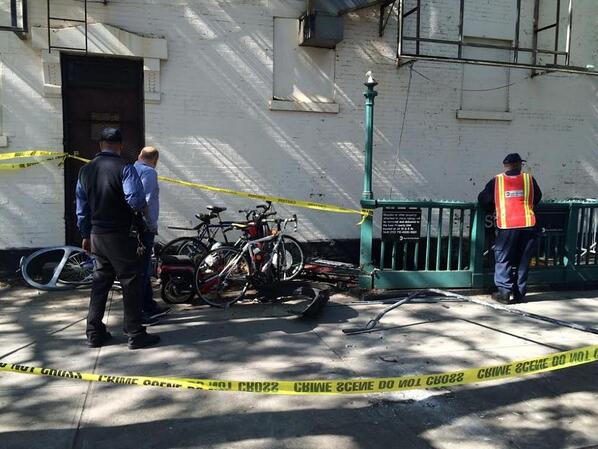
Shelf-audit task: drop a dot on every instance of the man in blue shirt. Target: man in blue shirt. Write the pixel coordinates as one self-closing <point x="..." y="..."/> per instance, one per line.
<point x="109" y="194"/>
<point x="146" y="168"/>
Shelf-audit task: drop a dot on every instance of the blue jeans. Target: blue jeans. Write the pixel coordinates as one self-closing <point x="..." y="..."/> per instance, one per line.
<point x="148" y="303"/>
<point x="513" y="250"/>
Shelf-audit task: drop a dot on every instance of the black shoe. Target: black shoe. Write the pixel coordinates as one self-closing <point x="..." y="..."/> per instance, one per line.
<point x="148" y="320"/>
<point x="157" y="312"/>
<point x="504" y="298"/>
<point x="99" y="341"/>
<point x="518" y="298"/>
<point x="143" y="341"/>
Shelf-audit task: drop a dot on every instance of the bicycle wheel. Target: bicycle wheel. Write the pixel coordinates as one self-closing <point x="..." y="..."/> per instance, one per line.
<point x="176" y="292"/>
<point x="289" y="258"/>
<point x="78" y="269"/>
<point x="195" y="249"/>
<point x="222" y="277"/>
<point x="58" y="268"/>
<point x="186" y="246"/>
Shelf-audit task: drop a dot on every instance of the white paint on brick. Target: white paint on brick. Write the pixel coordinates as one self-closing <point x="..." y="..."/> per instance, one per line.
<point x="213" y="124"/>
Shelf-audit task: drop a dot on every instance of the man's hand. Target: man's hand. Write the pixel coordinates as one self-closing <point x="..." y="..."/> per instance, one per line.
<point x="86" y="245"/>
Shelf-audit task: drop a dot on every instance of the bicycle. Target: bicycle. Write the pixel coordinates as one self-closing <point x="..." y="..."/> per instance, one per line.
<point x="179" y="257"/>
<point x="197" y="247"/>
<point x="194" y="247"/>
<point x="224" y="275"/>
<point x="58" y="268"/>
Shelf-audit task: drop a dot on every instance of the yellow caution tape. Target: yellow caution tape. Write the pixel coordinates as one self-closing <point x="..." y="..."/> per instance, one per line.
<point x="31" y="153"/>
<point x="519" y="368"/>
<point x="5" y="166"/>
<point x="275" y="199"/>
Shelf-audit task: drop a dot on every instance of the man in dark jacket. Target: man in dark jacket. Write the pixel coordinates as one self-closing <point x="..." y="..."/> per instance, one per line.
<point x="513" y="194"/>
<point x="109" y="193"/>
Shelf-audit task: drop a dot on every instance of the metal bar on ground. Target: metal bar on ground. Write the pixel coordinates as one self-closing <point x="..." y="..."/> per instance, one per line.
<point x="519" y="312"/>
<point x="371" y="324"/>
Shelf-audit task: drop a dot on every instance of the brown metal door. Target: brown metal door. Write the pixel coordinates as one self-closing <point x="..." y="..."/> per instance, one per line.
<point x="97" y="92"/>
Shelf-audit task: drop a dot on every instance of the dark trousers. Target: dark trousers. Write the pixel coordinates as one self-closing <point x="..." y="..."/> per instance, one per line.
<point x="116" y="257"/>
<point x="513" y="250"/>
<point x="148" y="303"/>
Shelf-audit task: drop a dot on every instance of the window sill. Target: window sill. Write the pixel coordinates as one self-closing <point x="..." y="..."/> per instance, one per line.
<point x="463" y="114"/>
<point x="297" y="106"/>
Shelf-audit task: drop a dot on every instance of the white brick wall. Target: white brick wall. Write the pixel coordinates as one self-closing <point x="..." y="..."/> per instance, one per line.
<point x="213" y="125"/>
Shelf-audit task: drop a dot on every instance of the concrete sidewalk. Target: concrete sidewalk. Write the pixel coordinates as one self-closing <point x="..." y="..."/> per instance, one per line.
<point x="257" y="341"/>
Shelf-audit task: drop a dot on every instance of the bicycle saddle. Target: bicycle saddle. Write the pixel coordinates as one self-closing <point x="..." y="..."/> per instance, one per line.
<point x="205" y="217"/>
<point x="216" y="209"/>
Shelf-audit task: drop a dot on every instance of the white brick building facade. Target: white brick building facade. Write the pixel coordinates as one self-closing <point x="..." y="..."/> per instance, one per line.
<point x="213" y="124"/>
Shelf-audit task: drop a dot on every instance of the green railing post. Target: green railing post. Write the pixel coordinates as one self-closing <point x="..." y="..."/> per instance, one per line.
<point x="367" y="227"/>
<point x="369" y="94"/>
<point x="571" y="244"/>
<point x="476" y="249"/>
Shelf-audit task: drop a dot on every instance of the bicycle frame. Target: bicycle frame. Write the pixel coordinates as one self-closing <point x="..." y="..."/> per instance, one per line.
<point x="248" y="249"/>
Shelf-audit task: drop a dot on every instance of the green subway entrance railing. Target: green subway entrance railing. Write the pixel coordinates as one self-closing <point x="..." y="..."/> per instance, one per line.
<point x="455" y="246"/>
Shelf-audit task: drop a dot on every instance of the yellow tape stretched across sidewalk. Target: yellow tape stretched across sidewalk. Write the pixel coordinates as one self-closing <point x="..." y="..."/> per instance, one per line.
<point x="51" y="155"/>
<point x="519" y="368"/>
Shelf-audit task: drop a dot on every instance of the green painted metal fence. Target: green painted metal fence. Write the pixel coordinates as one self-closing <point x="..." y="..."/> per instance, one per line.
<point x="455" y="246"/>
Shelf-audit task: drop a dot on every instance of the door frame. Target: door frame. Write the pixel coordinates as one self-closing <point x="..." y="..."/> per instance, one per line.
<point x="65" y="57"/>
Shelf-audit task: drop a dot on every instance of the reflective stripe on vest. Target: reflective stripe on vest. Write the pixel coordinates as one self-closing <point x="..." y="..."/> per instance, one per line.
<point x="514" y="199"/>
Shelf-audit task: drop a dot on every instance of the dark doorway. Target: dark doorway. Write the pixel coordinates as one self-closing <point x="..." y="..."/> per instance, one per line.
<point x="97" y="92"/>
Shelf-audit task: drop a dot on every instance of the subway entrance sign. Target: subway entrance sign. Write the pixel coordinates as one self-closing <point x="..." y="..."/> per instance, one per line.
<point x="401" y="224"/>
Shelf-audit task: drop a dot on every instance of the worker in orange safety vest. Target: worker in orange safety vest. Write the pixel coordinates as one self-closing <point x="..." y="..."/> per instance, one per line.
<point x="514" y="194"/>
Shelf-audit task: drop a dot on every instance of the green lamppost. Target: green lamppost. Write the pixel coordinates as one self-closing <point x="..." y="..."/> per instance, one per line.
<point x="365" y="257"/>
